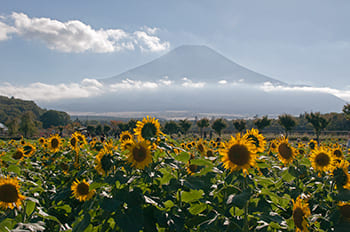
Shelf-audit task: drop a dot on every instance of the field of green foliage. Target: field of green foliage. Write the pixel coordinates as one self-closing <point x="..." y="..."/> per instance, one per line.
<point x="146" y="181"/>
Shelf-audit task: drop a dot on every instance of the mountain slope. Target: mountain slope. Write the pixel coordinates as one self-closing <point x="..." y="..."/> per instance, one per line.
<point x="197" y="63"/>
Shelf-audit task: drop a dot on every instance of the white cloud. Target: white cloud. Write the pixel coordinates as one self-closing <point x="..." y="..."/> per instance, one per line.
<point x="190" y="84"/>
<point x="45" y="92"/>
<point x="75" y="36"/>
<point x="131" y="84"/>
<point x="165" y="81"/>
<point x="150" y="43"/>
<point x="343" y="94"/>
<point x="5" y="30"/>
<point x="90" y="88"/>
<point x="222" y="82"/>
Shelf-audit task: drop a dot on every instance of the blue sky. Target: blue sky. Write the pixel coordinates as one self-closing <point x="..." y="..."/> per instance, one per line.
<point x="298" y="42"/>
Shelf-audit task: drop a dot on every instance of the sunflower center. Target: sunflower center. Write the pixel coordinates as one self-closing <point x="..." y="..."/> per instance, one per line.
<point x="192" y="168"/>
<point x="338" y="153"/>
<point x="149" y="130"/>
<point x="200" y="147"/>
<point x="210" y="153"/>
<point x="312" y="146"/>
<point x="27" y="149"/>
<point x="285" y="151"/>
<point x="83" y="189"/>
<point x="8" y="193"/>
<point x="73" y="142"/>
<point x="17" y="155"/>
<point x="54" y="143"/>
<point x="298" y="215"/>
<point x="239" y="154"/>
<point x="106" y="162"/>
<point x="345" y="211"/>
<point x="126" y="137"/>
<point x="322" y="159"/>
<point x="139" y="153"/>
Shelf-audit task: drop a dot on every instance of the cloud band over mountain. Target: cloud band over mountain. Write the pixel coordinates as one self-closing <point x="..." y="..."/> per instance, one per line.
<point x="91" y="88"/>
<point x="75" y="37"/>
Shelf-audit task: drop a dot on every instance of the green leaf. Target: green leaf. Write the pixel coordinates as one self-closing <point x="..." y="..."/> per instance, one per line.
<point x="110" y="205"/>
<point x="15" y="169"/>
<point x="83" y="224"/>
<point x="66" y="208"/>
<point x="183" y="157"/>
<point x="196" y="209"/>
<point x="201" y="162"/>
<point x="95" y="185"/>
<point x="240" y="199"/>
<point x="168" y="204"/>
<point x="287" y="176"/>
<point x="7" y="224"/>
<point x="191" y="196"/>
<point x="30" y="206"/>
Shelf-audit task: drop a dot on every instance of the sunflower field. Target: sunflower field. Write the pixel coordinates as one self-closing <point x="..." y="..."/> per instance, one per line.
<point x="147" y="181"/>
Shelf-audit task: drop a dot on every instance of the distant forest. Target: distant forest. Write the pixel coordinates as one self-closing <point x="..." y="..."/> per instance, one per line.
<point x="26" y="118"/>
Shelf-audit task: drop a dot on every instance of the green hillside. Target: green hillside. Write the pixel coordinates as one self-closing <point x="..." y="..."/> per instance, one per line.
<point x="13" y="108"/>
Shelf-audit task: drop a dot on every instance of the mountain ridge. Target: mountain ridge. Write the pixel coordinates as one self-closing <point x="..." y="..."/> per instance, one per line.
<point x="195" y="62"/>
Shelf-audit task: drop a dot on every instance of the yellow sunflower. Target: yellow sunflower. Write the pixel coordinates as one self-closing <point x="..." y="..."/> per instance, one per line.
<point x="274" y="146"/>
<point x="238" y="153"/>
<point x="321" y="159"/>
<point x="344" y="209"/>
<point x="19" y="154"/>
<point x="54" y="143"/>
<point x="338" y="153"/>
<point x="257" y="139"/>
<point x="104" y="162"/>
<point x="312" y="144"/>
<point x="81" y="190"/>
<point x="81" y="138"/>
<point x="342" y="174"/>
<point x="300" y="213"/>
<point x="191" y="169"/>
<point x="125" y="135"/>
<point x="42" y="141"/>
<point x="10" y="195"/>
<point x="140" y="154"/>
<point x="126" y="145"/>
<point x="201" y="147"/>
<point x="29" y="149"/>
<point x="286" y="153"/>
<point x="74" y="142"/>
<point x="147" y="128"/>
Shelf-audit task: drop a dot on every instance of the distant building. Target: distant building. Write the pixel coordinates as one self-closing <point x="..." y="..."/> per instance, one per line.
<point x="3" y="128"/>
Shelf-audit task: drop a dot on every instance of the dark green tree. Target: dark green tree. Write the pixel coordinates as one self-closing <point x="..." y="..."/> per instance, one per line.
<point x="123" y="126"/>
<point x="91" y="129"/>
<point x="106" y="129"/>
<point x="287" y="122"/>
<point x="98" y="129"/>
<point x="13" y="125"/>
<point x="263" y="122"/>
<point x="54" y="118"/>
<point x="203" y="123"/>
<point x="27" y="125"/>
<point x="239" y="124"/>
<point x="132" y="124"/>
<point x="318" y="122"/>
<point x="218" y="125"/>
<point x="185" y="125"/>
<point x="171" y="127"/>
<point x="346" y="111"/>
